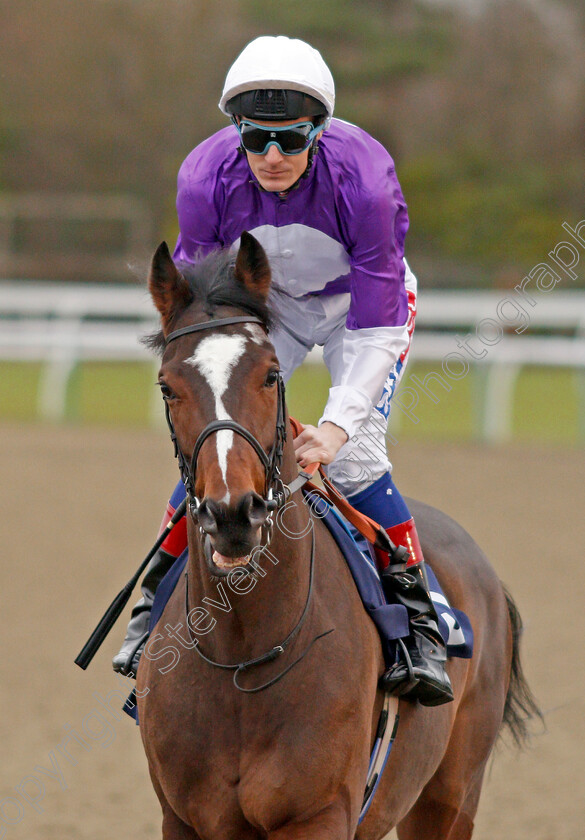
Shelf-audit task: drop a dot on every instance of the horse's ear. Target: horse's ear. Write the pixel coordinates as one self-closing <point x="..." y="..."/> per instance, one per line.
<point x="252" y="267"/>
<point x="167" y="286"/>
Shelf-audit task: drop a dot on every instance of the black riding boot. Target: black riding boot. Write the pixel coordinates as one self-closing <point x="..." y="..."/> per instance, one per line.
<point x="126" y="661"/>
<point x="420" y="672"/>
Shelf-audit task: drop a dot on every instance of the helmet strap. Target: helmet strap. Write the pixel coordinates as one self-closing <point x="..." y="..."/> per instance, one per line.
<point x="313" y="150"/>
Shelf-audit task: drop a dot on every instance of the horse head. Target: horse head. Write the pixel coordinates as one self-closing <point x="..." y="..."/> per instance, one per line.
<point x="221" y="383"/>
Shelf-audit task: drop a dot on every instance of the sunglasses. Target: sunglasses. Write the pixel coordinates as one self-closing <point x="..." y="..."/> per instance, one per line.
<point x="288" y="139"/>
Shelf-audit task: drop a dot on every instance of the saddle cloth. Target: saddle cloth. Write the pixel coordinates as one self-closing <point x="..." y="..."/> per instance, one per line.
<point x="391" y="620"/>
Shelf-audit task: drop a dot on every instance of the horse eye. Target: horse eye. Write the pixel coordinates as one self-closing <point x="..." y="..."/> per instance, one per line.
<point x="166" y="392"/>
<point x="272" y="378"/>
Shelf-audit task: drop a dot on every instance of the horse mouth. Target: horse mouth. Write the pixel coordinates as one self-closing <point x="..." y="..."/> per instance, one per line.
<point x="228" y="563"/>
<point x="222" y="564"/>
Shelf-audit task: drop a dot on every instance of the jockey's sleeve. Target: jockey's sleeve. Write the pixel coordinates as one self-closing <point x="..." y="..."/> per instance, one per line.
<point x="198" y="215"/>
<point x="369" y="357"/>
<point x="378" y="327"/>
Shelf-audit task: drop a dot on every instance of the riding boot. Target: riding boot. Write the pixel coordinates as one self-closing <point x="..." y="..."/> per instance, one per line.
<point x="126" y="661"/>
<point x="420" y="673"/>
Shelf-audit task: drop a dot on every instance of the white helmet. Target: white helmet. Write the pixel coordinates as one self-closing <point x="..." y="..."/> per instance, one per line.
<point x="278" y="65"/>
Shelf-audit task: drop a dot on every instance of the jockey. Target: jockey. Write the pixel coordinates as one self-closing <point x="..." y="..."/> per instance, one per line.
<point x="323" y="199"/>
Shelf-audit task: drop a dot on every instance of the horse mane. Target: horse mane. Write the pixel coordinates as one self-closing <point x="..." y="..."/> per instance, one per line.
<point x="213" y="283"/>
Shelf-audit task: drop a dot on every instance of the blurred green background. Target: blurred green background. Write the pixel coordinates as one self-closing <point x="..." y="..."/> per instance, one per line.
<point x="481" y="104"/>
<point x="549" y="403"/>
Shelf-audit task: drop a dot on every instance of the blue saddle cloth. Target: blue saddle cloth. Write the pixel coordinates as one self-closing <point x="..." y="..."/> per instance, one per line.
<point x="391" y="620"/>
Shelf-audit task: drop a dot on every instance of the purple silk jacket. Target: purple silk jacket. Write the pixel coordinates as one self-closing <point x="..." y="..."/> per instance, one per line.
<point x="341" y="231"/>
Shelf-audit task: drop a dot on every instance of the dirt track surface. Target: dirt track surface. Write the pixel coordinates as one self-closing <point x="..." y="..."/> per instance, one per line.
<point x="79" y="511"/>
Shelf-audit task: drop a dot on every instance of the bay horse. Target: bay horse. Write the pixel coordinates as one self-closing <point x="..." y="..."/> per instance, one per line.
<point x="261" y="729"/>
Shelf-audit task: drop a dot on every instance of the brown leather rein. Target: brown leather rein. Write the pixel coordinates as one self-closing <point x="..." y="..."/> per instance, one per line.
<point x="368" y="528"/>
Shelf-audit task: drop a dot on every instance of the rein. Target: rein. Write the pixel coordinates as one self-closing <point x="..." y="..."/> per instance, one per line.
<point x="275" y="651"/>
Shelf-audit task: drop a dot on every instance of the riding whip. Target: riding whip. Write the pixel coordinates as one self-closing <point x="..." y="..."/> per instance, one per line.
<point x="113" y="612"/>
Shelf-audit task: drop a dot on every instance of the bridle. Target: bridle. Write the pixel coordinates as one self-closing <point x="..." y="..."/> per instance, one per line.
<point x="276" y="492"/>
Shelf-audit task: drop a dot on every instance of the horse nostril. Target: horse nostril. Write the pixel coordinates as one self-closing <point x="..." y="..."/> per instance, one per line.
<point x="254" y="509"/>
<point x="207" y="517"/>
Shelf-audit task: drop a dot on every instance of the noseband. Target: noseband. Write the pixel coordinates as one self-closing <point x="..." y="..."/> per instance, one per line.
<point x="275" y="491"/>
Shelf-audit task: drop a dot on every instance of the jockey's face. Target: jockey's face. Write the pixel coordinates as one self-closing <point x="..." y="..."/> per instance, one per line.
<point x="274" y="171"/>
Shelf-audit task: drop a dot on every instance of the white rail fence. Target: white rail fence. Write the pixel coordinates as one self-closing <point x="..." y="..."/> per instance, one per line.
<point x="495" y="333"/>
<point x="63" y="324"/>
<point x="499" y="333"/>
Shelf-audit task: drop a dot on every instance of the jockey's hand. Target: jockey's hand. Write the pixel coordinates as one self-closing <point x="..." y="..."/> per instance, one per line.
<point x="319" y="443"/>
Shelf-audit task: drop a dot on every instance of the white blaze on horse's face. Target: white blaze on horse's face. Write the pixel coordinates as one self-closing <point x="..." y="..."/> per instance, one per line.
<point x="215" y="358"/>
<point x="257" y="334"/>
